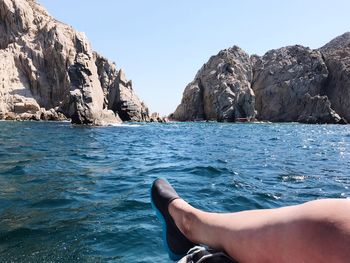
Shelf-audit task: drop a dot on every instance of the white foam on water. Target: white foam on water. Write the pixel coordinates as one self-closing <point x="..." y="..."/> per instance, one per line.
<point x="124" y="125"/>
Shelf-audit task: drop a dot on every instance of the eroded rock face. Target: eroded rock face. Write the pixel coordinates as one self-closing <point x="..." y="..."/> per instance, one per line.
<point x="290" y="84"/>
<point x="119" y="94"/>
<point x="86" y="101"/>
<point x="317" y="109"/>
<point x="221" y="90"/>
<point x="337" y="57"/>
<point x="49" y="62"/>
<point x="191" y="107"/>
<point x="286" y="80"/>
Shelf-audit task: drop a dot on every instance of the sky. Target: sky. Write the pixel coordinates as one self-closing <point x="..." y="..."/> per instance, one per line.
<point x="161" y="44"/>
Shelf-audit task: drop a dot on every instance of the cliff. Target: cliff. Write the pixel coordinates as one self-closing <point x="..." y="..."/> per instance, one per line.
<point x="48" y="70"/>
<point x="290" y="84"/>
<point x="221" y="90"/>
<point x="337" y="58"/>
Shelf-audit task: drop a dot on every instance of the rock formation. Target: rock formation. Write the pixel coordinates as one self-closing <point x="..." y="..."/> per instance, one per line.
<point x="221" y="90"/>
<point x="317" y="109"/>
<point x="118" y="92"/>
<point x="290" y="84"/>
<point x="49" y="69"/>
<point x="337" y="57"/>
<point x="285" y="82"/>
<point x="155" y="117"/>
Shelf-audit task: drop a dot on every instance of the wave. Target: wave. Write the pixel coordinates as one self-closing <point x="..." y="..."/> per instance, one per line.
<point x="124" y="125"/>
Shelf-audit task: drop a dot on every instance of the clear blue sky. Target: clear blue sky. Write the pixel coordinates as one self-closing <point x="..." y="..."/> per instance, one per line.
<point x="162" y="43"/>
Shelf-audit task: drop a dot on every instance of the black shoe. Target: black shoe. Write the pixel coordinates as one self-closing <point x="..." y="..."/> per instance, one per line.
<point x="176" y="244"/>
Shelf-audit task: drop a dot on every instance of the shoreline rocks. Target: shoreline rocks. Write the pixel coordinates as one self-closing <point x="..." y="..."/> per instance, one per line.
<point x="47" y="64"/>
<point x="155" y="117"/>
<point x="290" y="84"/>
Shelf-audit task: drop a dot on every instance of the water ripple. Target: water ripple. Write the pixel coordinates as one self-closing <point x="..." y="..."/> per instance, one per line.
<point x="81" y="194"/>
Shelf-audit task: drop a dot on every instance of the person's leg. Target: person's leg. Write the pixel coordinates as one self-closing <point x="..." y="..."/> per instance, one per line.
<point x="317" y="231"/>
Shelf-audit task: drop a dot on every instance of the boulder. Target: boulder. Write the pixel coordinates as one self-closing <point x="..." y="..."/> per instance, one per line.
<point x="10" y="116"/>
<point x="155" y="117"/>
<point x="26" y="117"/>
<point x="26" y="106"/>
<point x="317" y="110"/>
<point x="49" y="115"/>
<point x="106" y="118"/>
<point x="337" y="57"/>
<point x="220" y="91"/>
<point x="31" y="106"/>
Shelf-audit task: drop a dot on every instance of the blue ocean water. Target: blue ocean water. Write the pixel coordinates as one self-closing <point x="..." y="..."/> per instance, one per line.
<point x="81" y="194"/>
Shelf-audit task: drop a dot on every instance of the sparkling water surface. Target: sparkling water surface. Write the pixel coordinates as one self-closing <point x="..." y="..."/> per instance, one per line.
<point x="81" y="194"/>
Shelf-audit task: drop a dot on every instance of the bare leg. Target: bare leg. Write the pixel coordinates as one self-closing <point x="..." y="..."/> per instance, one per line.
<point x="317" y="231"/>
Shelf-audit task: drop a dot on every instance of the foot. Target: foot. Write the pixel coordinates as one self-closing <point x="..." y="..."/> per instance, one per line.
<point x="176" y="244"/>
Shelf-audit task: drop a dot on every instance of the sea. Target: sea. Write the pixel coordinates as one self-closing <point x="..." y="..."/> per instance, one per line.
<point x="82" y="194"/>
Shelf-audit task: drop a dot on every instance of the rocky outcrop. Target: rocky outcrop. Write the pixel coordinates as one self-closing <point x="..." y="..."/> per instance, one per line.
<point x="337" y="57"/>
<point x="85" y="100"/>
<point x="155" y="117"/>
<point x="286" y="84"/>
<point x="221" y="90"/>
<point x="290" y="84"/>
<point x="317" y="109"/>
<point x="191" y="107"/>
<point x="119" y="95"/>
<point x="48" y="63"/>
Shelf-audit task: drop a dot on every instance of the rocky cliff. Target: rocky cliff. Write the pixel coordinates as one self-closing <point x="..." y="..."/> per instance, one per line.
<point x="290" y="84"/>
<point x="287" y="84"/>
<point x="337" y="58"/>
<point x="49" y="71"/>
<point x="221" y="90"/>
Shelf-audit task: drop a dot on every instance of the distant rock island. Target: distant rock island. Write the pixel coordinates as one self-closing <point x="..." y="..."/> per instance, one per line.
<point x="49" y="71"/>
<point x="290" y="84"/>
